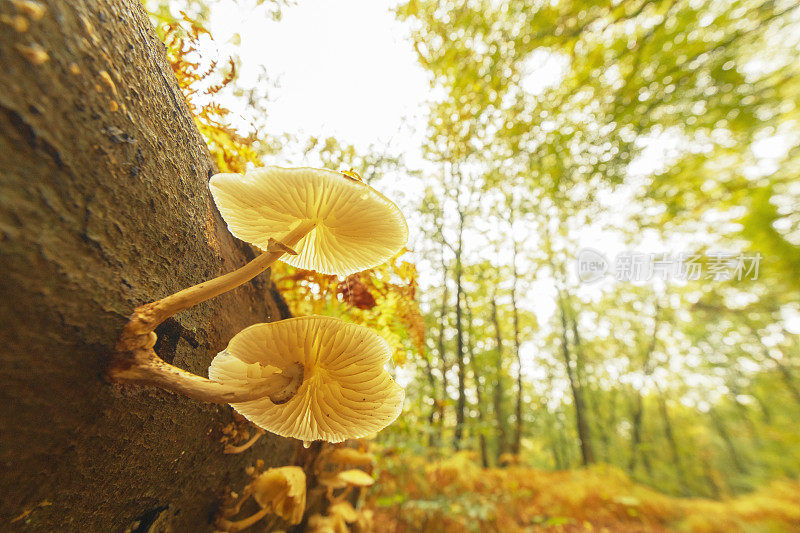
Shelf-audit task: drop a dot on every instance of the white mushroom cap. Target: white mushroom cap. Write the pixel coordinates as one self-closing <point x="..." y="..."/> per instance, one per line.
<point x="356" y="226"/>
<point x="346" y="392"/>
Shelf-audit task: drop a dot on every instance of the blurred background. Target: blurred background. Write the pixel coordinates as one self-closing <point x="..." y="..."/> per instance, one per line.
<point x="597" y="318"/>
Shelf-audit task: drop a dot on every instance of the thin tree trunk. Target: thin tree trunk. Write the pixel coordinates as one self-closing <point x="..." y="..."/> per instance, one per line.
<point x="566" y="455"/>
<point x="461" y="402"/>
<point x="638" y="411"/>
<point x="432" y="440"/>
<point x="478" y="392"/>
<point x="442" y="352"/>
<point x="557" y="461"/>
<point x="516" y="444"/>
<point x="104" y="205"/>
<point x="719" y="425"/>
<point x="712" y="479"/>
<point x="636" y="431"/>
<point x="500" y="420"/>
<point x="580" y="377"/>
<point x="609" y="430"/>
<point x="673" y="443"/>
<point x="587" y="453"/>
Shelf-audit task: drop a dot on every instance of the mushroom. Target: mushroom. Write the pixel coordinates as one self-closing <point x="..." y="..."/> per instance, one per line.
<point x="322" y="524"/>
<point x="344" y="510"/>
<point x="347" y="480"/>
<point x="232" y="449"/>
<point x="280" y="491"/>
<point x="351" y="456"/>
<point x="354" y="477"/>
<point x="337" y="224"/>
<point x="337" y="459"/>
<point x="351" y="226"/>
<point x="345" y="391"/>
<point x="339" y="515"/>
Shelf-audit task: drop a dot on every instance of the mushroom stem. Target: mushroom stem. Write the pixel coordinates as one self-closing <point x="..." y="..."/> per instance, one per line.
<point x="137" y="362"/>
<point x="147" y="317"/>
<point x="233" y="511"/>
<point x="147" y="368"/>
<point x="342" y="496"/>
<point x="238" y="525"/>
<point x="230" y="449"/>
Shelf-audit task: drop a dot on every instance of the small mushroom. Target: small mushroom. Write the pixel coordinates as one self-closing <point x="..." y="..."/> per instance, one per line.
<point x="322" y="524"/>
<point x="338" y="225"/>
<point x="344" y="510"/>
<point x="336" y="459"/>
<point x="354" y="477"/>
<point x="347" y="480"/>
<point x="284" y="491"/>
<point x="339" y="515"/>
<point x="232" y="449"/>
<point x="345" y="391"/>
<point x="279" y="491"/>
<point x="351" y="456"/>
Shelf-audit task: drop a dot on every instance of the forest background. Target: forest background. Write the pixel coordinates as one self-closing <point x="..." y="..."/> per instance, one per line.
<point x="520" y="137"/>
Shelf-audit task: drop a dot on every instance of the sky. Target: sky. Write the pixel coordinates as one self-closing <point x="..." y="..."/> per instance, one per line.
<point x="344" y="69"/>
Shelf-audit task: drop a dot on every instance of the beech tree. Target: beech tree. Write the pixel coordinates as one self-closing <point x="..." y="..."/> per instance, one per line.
<point x="104" y="205"/>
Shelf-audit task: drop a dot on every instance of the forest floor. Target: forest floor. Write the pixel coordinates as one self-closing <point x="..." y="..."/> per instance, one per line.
<point x="455" y="495"/>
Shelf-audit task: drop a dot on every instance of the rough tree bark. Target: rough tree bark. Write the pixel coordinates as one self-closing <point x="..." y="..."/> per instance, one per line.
<point x="104" y="205"/>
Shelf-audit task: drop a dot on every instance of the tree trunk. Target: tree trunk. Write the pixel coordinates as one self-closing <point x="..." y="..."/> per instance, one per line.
<point x="719" y="425"/>
<point x="498" y="384"/>
<point x="473" y="365"/>
<point x="582" y="425"/>
<point x="673" y="443"/>
<point x="636" y="431"/>
<point x="647" y="369"/>
<point x="432" y="435"/>
<point x="609" y="429"/>
<point x="565" y="450"/>
<point x="104" y="205"/>
<point x="441" y="347"/>
<point x="462" y="399"/>
<point x="516" y="445"/>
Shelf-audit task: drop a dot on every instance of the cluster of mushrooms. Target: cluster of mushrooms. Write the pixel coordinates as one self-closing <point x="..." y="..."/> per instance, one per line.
<point x="309" y="378"/>
<point x="281" y="492"/>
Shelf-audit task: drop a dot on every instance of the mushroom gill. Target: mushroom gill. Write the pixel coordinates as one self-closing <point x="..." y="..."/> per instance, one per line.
<point x="346" y="392"/>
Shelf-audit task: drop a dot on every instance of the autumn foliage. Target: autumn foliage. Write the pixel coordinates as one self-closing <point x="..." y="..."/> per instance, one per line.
<point x="383" y="298"/>
<point x="454" y="494"/>
<point x="200" y="81"/>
